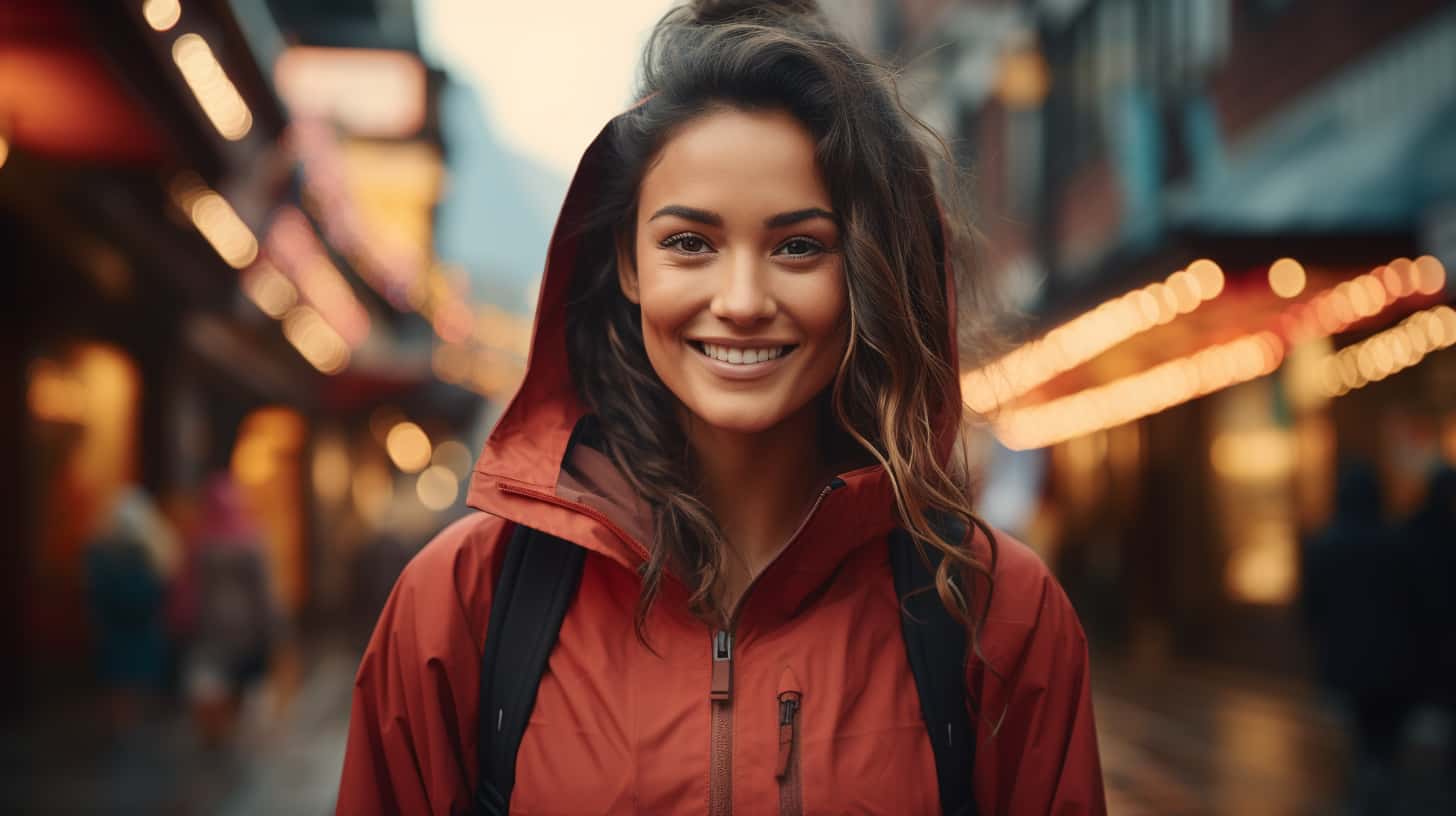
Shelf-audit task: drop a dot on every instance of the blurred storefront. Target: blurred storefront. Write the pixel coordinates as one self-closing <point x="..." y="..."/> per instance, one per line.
<point x="221" y="254"/>
<point x="1229" y="224"/>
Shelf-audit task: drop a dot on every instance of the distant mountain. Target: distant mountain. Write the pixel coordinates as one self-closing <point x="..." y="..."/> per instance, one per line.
<point x="499" y="206"/>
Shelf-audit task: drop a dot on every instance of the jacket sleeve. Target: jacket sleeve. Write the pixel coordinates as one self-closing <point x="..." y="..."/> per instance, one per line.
<point x="1037" y="749"/>
<point x="411" y="745"/>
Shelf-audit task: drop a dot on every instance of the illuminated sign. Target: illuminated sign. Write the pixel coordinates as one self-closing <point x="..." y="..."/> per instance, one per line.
<point x="367" y="92"/>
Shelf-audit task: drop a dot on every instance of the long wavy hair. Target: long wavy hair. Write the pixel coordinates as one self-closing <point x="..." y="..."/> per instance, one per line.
<point x="891" y="400"/>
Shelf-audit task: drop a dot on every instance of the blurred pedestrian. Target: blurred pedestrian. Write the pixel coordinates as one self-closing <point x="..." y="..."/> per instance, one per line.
<point x="129" y="561"/>
<point x="229" y="608"/>
<point x="1358" y="608"/>
<point x="1430" y="538"/>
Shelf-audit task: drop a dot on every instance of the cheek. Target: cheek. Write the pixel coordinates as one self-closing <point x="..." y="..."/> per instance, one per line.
<point x="667" y="304"/>
<point x="822" y="310"/>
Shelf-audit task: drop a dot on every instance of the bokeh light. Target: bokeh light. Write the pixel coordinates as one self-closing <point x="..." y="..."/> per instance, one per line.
<point x="408" y="447"/>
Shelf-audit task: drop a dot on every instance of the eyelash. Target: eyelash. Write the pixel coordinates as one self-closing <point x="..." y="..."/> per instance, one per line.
<point x="674" y="241"/>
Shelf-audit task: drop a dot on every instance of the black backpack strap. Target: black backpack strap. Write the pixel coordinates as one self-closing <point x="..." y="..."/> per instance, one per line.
<point x="936" y="645"/>
<point x="536" y="585"/>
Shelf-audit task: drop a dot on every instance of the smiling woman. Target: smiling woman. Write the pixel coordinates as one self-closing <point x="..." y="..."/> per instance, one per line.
<point x="742" y="294"/>
<point x="731" y="456"/>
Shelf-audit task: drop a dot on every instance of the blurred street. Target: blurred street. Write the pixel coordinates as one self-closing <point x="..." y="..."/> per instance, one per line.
<point x="1187" y="740"/>
<point x="272" y="267"/>
<point x="1205" y="740"/>
<point x="285" y="757"/>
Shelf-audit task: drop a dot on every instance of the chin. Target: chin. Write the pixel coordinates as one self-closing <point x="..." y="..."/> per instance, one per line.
<point x="721" y="415"/>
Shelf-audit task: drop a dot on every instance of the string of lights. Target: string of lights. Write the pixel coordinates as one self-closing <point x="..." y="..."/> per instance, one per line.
<point x="1078" y="340"/>
<point x="1220" y="366"/>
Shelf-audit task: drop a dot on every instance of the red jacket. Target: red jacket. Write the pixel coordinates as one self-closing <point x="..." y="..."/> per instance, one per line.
<point x="619" y="728"/>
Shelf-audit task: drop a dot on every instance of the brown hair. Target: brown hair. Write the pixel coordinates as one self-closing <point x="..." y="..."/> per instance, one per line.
<point x="890" y="400"/>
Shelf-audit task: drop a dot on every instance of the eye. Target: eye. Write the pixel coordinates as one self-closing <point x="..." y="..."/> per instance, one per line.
<point x="799" y="247"/>
<point x="688" y="243"/>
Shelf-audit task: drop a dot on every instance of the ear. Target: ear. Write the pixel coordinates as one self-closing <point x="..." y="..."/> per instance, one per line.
<point x="627" y="270"/>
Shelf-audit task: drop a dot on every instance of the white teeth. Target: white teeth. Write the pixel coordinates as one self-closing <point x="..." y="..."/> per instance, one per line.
<point x="742" y="356"/>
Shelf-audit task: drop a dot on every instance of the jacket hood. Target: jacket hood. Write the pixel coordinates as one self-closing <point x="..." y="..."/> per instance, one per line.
<point x="530" y="471"/>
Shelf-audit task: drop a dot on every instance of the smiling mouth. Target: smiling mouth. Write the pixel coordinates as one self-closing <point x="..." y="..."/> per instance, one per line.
<point x="735" y="355"/>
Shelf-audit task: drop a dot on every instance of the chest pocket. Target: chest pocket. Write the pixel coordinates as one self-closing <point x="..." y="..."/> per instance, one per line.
<point x="848" y="735"/>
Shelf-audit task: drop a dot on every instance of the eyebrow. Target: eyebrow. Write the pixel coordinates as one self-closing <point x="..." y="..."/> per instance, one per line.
<point x="716" y="220"/>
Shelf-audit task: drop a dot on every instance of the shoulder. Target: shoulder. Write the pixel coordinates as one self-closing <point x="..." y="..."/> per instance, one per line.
<point x="464" y="555"/>
<point x="1028" y="606"/>
<point x="442" y="598"/>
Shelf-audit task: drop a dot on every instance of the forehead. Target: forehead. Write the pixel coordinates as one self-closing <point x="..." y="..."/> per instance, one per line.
<point x="734" y="161"/>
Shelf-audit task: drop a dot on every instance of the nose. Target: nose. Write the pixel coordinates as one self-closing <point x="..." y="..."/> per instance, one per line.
<point x="744" y="295"/>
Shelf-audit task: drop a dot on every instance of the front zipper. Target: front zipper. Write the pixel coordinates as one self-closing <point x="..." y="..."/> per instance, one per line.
<point x="791" y="742"/>
<point x="720" y="694"/>
<point x="720" y="761"/>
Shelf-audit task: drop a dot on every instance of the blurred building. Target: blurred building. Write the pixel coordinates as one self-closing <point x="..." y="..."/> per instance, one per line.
<point x="1227" y="225"/>
<point x="217" y="219"/>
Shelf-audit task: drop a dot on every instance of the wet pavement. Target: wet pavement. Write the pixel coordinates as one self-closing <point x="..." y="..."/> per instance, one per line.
<point x="1179" y="740"/>
<point x="284" y="759"/>
<point x="1213" y="740"/>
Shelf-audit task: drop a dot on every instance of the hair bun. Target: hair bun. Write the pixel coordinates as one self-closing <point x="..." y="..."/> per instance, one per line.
<point x="709" y="12"/>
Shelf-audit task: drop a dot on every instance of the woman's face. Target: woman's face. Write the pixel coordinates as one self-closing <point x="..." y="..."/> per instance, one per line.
<point x="738" y="271"/>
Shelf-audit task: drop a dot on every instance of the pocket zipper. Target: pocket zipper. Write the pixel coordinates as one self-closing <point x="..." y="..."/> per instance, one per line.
<point x="786" y="769"/>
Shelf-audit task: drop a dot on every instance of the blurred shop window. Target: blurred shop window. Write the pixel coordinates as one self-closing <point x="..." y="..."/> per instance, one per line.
<point x="82" y="452"/>
<point x="1255" y="457"/>
<point x="86" y="406"/>
<point x="268" y="466"/>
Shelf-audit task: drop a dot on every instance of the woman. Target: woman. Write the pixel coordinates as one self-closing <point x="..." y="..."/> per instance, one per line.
<point x="743" y="377"/>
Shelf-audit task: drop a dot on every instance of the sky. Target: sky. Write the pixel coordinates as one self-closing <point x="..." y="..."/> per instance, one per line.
<point x="550" y="74"/>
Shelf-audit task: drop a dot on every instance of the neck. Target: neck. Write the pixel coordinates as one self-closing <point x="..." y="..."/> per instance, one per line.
<point x="759" y="486"/>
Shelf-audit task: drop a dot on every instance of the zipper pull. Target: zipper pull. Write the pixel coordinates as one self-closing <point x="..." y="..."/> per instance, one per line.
<point x="788" y="717"/>
<point x="789" y="700"/>
<point x="722" y="688"/>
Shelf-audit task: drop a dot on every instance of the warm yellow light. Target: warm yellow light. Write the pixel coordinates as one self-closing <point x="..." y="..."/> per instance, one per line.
<point x="1146" y="305"/>
<point x="1185" y="290"/>
<point x="1080" y="339"/>
<point x="1403" y="274"/>
<point x="1350" y="371"/>
<point x="1263" y="570"/>
<point x="316" y="340"/>
<point x="219" y="223"/>
<point x="1023" y="80"/>
<point x="1446" y="318"/>
<point x="210" y="84"/>
<point x="331" y="468"/>
<point x="4" y="149"/>
<point x="1379" y="297"/>
<point x="408" y="447"/>
<point x="454" y="456"/>
<point x="1167" y="301"/>
<point x="254" y="461"/>
<point x="1286" y="277"/>
<point x="161" y="15"/>
<point x="1209" y="277"/>
<point x="269" y="290"/>
<point x="1157" y="389"/>
<point x="1395" y="349"/>
<point x="54" y="395"/>
<point x="437" y="488"/>
<point x="1430" y="275"/>
<point x="1265" y="454"/>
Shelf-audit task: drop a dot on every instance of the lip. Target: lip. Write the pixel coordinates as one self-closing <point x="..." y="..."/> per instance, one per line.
<point x="740" y="371"/>
<point x="755" y="343"/>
